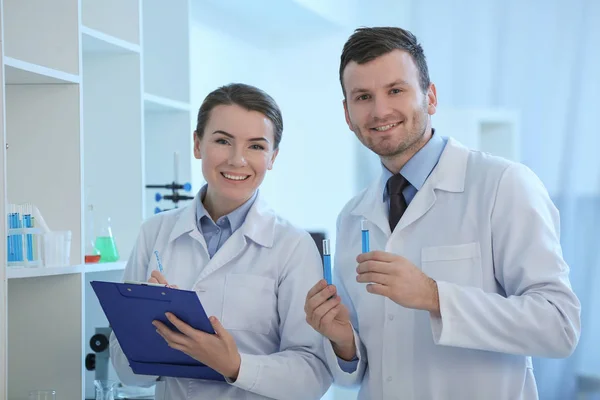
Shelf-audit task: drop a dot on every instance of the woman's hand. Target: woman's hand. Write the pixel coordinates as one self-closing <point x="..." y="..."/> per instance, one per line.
<point x="157" y="277"/>
<point x="217" y="351"/>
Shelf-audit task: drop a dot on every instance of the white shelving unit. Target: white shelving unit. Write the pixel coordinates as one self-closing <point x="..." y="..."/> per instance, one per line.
<point x="94" y="102"/>
<point x="3" y="271"/>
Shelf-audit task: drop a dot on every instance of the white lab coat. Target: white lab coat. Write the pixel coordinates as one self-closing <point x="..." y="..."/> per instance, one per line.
<point x="486" y="231"/>
<point x="256" y="284"/>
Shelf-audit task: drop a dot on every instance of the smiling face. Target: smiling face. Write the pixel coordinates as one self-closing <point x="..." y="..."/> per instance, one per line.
<point x="236" y="149"/>
<point x="386" y="108"/>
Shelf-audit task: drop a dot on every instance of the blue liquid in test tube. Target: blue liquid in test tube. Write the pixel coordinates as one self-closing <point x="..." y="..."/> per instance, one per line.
<point x="365" y="236"/>
<point x="327" y="261"/>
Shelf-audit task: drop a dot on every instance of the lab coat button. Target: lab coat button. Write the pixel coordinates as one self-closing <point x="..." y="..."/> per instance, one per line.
<point x="389" y="379"/>
<point x="391" y="317"/>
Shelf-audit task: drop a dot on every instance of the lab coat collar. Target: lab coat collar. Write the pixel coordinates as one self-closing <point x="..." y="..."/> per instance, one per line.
<point x="448" y="175"/>
<point x="259" y="225"/>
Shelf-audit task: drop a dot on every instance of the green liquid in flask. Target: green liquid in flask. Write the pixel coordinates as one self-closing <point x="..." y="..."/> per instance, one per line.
<point x="107" y="248"/>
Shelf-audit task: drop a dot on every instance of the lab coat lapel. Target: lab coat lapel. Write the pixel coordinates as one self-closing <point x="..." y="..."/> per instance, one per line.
<point x="187" y="224"/>
<point x="258" y="227"/>
<point x="373" y="208"/>
<point x="230" y="250"/>
<point x="448" y="175"/>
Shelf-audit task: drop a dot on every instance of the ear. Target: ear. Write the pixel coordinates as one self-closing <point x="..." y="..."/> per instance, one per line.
<point x="272" y="160"/>
<point x="431" y="99"/>
<point x="197" y="142"/>
<point x="347" y="114"/>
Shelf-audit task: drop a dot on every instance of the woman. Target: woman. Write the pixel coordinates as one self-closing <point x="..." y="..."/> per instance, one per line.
<point x="250" y="268"/>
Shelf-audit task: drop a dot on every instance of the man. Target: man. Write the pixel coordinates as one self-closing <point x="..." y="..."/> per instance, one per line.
<point x="465" y="280"/>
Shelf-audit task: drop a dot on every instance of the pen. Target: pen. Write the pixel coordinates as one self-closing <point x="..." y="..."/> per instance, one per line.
<point x="160" y="267"/>
<point x="326" y="261"/>
<point x="365" y="236"/>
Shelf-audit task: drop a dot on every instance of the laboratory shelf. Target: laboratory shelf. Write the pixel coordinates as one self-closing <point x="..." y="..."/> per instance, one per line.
<point x="160" y="104"/>
<point x="92" y="101"/>
<point x="16" y="273"/>
<point x="21" y="72"/>
<point x="94" y="41"/>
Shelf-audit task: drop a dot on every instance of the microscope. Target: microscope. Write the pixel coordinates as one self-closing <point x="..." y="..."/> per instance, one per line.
<point x="99" y="361"/>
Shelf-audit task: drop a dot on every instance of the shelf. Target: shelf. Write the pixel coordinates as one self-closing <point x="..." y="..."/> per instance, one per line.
<point x="117" y="18"/>
<point x="166" y="50"/>
<point x="157" y="104"/>
<point x="113" y="113"/>
<point x="20" y="72"/>
<point x="43" y="32"/>
<point x="16" y="273"/>
<point x="94" y="41"/>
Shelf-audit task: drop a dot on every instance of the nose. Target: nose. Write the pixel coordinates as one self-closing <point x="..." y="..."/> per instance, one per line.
<point x="236" y="157"/>
<point x="381" y="108"/>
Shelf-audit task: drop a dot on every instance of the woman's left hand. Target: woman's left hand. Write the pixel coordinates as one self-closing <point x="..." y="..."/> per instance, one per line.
<point x="217" y="351"/>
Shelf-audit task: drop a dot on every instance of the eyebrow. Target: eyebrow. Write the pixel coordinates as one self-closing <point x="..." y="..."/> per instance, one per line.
<point x="398" y="82"/>
<point x="229" y="135"/>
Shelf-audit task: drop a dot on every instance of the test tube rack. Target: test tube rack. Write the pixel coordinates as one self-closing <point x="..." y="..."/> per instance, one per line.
<point x="24" y="239"/>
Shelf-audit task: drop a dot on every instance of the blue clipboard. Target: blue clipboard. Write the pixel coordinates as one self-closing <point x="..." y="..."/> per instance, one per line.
<point x="130" y="310"/>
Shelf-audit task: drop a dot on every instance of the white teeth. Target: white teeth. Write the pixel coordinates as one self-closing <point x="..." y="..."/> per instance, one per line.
<point x="235" y="177"/>
<point x="385" y="128"/>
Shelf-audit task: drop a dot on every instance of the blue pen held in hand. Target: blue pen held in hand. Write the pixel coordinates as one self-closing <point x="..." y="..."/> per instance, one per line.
<point x="160" y="267"/>
<point x="365" y="236"/>
<point x="327" y="261"/>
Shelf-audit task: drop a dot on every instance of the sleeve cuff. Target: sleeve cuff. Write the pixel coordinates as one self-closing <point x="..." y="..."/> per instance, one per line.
<point x="349" y="367"/>
<point x="442" y="326"/>
<point x="249" y="370"/>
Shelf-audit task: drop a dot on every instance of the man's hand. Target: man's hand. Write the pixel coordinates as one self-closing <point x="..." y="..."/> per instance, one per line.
<point x="217" y="351"/>
<point x="398" y="279"/>
<point x="328" y="316"/>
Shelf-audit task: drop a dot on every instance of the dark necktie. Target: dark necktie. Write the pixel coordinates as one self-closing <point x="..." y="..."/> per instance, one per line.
<point x="398" y="205"/>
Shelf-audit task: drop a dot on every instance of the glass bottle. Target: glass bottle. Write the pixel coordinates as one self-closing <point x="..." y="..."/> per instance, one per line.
<point x="105" y="389"/>
<point x="92" y="255"/>
<point x="105" y="243"/>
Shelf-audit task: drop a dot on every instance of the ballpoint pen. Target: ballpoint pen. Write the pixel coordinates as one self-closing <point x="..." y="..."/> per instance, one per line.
<point x="326" y="261"/>
<point x="365" y="236"/>
<point x="160" y="267"/>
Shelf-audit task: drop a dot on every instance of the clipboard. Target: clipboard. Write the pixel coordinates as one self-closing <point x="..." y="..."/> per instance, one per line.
<point x="130" y="310"/>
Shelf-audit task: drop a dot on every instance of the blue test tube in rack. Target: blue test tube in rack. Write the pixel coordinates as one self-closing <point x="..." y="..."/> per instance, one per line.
<point x="11" y="240"/>
<point x="28" y="223"/>
<point x="327" y="261"/>
<point x="364" y="236"/>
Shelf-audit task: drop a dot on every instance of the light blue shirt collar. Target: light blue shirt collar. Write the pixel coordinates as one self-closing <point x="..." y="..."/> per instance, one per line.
<point x="235" y="218"/>
<point x="419" y="167"/>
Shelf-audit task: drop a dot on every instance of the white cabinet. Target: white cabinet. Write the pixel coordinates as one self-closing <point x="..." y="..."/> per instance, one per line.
<point x="94" y="102"/>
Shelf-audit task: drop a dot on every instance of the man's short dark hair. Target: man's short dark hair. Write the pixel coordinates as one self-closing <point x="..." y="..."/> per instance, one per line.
<point x="367" y="44"/>
<point x="246" y="96"/>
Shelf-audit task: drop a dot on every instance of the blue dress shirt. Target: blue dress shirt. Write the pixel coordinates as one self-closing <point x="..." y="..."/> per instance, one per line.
<point x="217" y="233"/>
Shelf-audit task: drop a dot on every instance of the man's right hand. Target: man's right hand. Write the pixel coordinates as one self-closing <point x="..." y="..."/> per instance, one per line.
<point x="328" y="316"/>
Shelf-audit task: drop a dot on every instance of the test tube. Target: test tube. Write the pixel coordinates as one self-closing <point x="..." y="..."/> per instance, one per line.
<point x="11" y="240"/>
<point x="327" y="261"/>
<point x="365" y="236"/>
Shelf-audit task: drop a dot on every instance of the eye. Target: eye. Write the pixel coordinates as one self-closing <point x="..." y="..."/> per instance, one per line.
<point x="396" y="91"/>
<point x="363" y="97"/>
<point x="221" y="141"/>
<point x="257" y="147"/>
